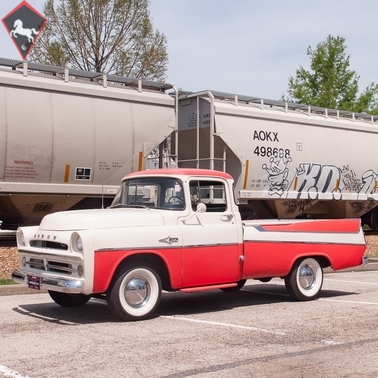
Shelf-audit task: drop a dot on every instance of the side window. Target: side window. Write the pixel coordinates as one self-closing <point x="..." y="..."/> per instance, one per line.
<point x="211" y="193"/>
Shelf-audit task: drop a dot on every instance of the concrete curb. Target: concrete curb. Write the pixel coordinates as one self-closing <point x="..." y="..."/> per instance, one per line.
<point x="18" y="289"/>
<point x="370" y="266"/>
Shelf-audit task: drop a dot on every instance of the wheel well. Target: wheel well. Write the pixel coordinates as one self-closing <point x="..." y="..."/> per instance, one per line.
<point x="150" y="260"/>
<point x="322" y="260"/>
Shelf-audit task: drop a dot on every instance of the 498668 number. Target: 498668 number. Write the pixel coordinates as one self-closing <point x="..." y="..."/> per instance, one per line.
<point x="270" y="151"/>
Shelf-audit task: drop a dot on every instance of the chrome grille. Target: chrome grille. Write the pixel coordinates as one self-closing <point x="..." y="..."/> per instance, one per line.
<point x="50" y="266"/>
<point x="48" y="244"/>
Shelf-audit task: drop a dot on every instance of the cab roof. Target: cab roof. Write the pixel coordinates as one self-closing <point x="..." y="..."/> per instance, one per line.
<point x="181" y="172"/>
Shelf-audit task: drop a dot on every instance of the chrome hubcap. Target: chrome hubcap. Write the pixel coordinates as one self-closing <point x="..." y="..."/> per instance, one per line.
<point x="306" y="277"/>
<point x="137" y="292"/>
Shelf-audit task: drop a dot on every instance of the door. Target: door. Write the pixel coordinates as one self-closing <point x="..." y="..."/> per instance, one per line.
<point x="211" y="247"/>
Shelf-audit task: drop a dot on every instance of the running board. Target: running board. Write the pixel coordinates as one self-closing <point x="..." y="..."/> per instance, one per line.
<point x="211" y="287"/>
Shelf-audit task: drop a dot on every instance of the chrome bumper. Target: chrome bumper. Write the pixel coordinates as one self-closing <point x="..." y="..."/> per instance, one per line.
<point x="63" y="285"/>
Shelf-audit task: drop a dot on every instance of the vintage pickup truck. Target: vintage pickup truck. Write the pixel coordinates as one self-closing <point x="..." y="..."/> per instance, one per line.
<point x="177" y="230"/>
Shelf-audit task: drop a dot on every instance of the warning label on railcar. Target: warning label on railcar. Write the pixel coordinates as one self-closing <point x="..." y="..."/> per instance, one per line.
<point x="21" y="169"/>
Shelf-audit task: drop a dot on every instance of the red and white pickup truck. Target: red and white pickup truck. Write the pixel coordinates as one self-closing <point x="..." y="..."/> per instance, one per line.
<point x="177" y="230"/>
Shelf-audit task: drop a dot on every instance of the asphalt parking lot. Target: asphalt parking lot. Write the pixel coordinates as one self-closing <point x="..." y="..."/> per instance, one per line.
<point x="258" y="331"/>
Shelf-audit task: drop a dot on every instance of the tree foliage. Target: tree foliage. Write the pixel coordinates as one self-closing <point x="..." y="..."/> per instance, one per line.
<point x="109" y="36"/>
<point x="330" y="83"/>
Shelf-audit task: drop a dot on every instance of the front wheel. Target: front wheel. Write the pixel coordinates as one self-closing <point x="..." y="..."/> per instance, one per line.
<point x="135" y="294"/>
<point x="305" y="279"/>
<point x="69" y="300"/>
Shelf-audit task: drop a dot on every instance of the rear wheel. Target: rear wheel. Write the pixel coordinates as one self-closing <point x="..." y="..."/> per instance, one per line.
<point x="305" y="279"/>
<point x="135" y="293"/>
<point x="69" y="300"/>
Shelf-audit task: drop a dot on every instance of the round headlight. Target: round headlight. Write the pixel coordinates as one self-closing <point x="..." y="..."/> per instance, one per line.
<point x="20" y="238"/>
<point x="77" y="243"/>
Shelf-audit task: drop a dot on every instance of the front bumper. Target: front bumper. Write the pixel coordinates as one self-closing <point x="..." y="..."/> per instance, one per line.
<point x="48" y="282"/>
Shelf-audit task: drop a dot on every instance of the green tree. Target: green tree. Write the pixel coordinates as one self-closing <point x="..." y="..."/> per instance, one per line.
<point x="330" y="83"/>
<point x="109" y="36"/>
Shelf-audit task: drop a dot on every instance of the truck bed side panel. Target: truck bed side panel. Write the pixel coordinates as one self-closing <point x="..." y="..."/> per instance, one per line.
<point x="271" y="248"/>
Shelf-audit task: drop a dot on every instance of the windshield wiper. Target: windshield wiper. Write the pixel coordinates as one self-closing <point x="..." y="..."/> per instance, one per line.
<point x="117" y="206"/>
<point x="122" y="205"/>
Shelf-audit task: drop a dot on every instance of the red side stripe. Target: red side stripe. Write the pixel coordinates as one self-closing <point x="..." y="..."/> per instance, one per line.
<point x="337" y="225"/>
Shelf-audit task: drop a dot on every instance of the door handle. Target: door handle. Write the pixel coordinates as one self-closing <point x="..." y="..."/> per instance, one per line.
<point x="226" y="218"/>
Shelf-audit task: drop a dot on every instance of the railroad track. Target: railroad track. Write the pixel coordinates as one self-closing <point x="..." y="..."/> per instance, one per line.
<point x="370" y="233"/>
<point x="8" y="241"/>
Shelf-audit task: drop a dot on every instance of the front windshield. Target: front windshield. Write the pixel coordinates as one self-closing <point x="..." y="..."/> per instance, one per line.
<point x="151" y="192"/>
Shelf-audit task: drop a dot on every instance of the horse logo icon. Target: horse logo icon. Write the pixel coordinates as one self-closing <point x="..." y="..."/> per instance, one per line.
<point x="24" y="25"/>
<point x="20" y="30"/>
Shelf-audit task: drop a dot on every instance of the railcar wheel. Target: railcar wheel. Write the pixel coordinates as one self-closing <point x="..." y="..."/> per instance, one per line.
<point x="240" y="284"/>
<point x="135" y="294"/>
<point x="69" y="300"/>
<point x="305" y="279"/>
<point x="373" y="224"/>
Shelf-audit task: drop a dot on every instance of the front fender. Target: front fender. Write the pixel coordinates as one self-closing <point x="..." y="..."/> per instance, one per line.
<point x="106" y="262"/>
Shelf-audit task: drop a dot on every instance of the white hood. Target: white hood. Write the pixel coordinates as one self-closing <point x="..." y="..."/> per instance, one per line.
<point x="106" y="218"/>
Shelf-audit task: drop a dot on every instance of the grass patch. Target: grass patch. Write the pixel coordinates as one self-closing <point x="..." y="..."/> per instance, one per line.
<point x="7" y="281"/>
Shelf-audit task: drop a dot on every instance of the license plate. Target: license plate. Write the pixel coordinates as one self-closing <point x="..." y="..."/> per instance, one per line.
<point x="34" y="282"/>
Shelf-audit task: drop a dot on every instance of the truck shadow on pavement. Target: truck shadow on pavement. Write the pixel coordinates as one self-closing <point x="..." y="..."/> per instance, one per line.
<point x="209" y="301"/>
<point x="97" y="311"/>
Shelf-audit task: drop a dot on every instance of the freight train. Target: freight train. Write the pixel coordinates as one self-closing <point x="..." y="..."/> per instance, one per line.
<point x="67" y="137"/>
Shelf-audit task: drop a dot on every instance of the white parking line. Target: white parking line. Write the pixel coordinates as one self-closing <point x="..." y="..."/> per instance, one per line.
<point x="10" y="373"/>
<point x="49" y="319"/>
<point x="330" y="342"/>
<point x="355" y="282"/>
<point x="225" y="325"/>
<point x="342" y="301"/>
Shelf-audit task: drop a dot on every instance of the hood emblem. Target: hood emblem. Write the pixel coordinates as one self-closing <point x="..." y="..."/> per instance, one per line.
<point x="169" y="240"/>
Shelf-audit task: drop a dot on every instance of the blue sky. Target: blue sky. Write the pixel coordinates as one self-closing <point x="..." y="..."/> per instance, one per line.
<point x="249" y="47"/>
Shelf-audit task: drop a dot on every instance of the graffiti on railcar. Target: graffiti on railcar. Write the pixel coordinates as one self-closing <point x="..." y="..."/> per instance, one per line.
<point x="309" y="180"/>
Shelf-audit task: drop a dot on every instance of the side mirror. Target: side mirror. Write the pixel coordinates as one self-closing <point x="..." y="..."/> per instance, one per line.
<point x="201" y="208"/>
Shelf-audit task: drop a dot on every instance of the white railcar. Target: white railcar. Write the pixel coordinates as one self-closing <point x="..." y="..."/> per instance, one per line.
<point x="67" y="137"/>
<point x="287" y="160"/>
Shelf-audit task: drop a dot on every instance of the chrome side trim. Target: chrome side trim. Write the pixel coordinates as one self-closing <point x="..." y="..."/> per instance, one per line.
<point x="301" y="242"/>
<point x="158" y="248"/>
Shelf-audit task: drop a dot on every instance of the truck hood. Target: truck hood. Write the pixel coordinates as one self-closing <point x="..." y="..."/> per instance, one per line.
<point x="105" y="218"/>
